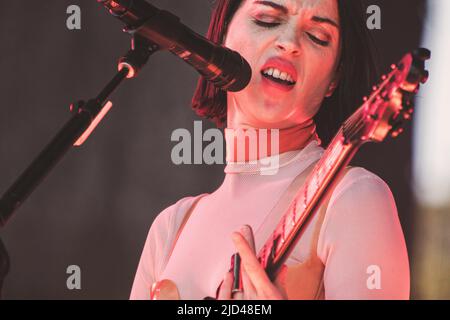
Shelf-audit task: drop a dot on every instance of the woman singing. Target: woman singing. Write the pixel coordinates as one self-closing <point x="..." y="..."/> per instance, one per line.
<point x="312" y="64"/>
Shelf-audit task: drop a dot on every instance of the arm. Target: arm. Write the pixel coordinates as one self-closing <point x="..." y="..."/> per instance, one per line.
<point x="152" y="252"/>
<point x="158" y="246"/>
<point x="361" y="242"/>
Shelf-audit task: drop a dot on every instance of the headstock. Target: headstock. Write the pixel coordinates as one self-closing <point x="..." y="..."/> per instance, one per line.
<point x="391" y="103"/>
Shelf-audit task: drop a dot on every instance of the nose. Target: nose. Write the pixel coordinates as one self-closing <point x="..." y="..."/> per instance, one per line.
<point x="288" y="41"/>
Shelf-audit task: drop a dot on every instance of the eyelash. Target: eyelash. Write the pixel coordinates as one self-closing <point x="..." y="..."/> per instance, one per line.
<point x="268" y="25"/>
<point x="271" y="25"/>
<point x="318" y="41"/>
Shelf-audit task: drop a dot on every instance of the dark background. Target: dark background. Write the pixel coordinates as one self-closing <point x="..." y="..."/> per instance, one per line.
<point x="96" y="207"/>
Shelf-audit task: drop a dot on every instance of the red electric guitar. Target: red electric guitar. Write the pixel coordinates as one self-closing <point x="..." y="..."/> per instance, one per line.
<point x="383" y="114"/>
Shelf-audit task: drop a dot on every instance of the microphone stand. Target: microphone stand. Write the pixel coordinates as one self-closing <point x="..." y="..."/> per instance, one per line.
<point x="4" y="265"/>
<point x="86" y="116"/>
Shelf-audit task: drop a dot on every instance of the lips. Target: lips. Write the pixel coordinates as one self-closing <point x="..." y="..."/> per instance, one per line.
<point x="280" y="72"/>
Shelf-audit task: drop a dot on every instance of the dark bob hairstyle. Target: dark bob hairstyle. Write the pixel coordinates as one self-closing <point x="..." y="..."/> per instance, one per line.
<point x="357" y="67"/>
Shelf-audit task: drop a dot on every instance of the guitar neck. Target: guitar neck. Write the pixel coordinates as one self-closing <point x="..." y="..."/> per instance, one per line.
<point x="309" y="198"/>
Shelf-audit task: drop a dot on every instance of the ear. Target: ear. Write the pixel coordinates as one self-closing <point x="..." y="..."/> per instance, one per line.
<point x="335" y="82"/>
<point x="331" y="89"/>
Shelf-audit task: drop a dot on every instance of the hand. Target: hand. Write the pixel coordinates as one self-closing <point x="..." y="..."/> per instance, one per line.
<point x="255" y="281"/>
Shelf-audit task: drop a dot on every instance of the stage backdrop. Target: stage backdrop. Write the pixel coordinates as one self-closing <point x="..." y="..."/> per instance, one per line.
<point x="96" y="207"/>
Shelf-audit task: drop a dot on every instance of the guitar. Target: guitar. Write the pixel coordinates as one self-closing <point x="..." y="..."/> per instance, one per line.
<point x="382" y="114"/>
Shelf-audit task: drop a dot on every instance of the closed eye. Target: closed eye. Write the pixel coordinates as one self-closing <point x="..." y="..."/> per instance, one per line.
<point x="318" y="41"/>
<point x="271" y="25"/>
<point x="268" y="25"/>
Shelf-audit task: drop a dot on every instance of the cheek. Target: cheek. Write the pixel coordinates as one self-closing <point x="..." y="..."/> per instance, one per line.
<point x="232" y="39"/>
<point x="319" y="73"/>
<point x="243" y="38"/>
<point x="240" y="39"/>
<point x="320" y="69"/>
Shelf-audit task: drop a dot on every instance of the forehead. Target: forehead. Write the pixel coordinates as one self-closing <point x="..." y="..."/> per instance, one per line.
<point x="328" y="7"/>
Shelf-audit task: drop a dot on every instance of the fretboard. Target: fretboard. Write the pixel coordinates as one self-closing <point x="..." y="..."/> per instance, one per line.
<point x="308" y="199"/>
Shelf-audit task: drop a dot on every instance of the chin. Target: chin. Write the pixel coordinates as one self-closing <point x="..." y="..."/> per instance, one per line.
<point x="274" y="111"/>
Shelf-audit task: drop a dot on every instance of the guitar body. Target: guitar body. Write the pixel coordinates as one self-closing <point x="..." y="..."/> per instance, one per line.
<point x="164" y="290"/>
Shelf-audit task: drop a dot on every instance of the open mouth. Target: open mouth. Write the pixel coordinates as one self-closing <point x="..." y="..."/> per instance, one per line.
<point x="278" y="76"/>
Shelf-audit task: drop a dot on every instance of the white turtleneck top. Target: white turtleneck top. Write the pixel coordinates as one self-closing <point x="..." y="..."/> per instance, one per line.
<point x="360" y="244"/>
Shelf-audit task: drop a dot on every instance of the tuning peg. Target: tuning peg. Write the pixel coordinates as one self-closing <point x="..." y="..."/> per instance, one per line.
<point x="415" y="75"/>
<point x="406" y="115"/>
<point x="383" y="77"/>
<point x="422" y="54"/>
<point x="407" y="98"/>
<point x="408" y="112"/>
<point x="396" y="126"/>
<point x="397" y="132"/>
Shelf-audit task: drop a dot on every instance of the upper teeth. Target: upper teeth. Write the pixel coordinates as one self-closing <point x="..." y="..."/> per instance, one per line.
<point x="273" y="72"/>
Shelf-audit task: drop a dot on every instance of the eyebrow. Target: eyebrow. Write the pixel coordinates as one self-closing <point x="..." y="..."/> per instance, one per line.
<point x="325" y="20"/>
<point x="274" y="5"/>
<point x="285" y="11"/>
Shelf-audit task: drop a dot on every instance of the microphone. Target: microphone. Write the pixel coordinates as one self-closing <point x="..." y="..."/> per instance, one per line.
<point x="225" y="68"/>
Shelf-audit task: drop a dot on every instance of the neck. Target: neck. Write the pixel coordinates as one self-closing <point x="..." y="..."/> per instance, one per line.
<point x="251" y="144"/>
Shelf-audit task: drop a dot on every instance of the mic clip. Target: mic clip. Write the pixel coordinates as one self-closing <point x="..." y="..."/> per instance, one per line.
<point x="138" y="55"/>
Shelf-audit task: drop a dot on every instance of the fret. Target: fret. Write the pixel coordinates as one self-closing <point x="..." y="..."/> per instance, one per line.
<point x="313" y="185"/>
<point x="294" y="212"/>
<point x="317" y="183"/>
<point x="320" y="174"/>
<point x="328" y="163"/>
<point x="288" y="228"/>
<point x="305" y="196"/>
<point x="263" y="257"/>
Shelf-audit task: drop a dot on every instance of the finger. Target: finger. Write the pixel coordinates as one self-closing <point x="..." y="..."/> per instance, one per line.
<point x="249" y="288"/>
<point x="253" y="268"/>
<point x="247" y="285"/>
<point x="247" y="232"/>
<point x="225" y="288"/>
<point x="238" y="295"/>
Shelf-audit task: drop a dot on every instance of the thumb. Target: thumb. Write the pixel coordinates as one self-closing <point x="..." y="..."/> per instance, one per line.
<point x="247" y="233"/>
